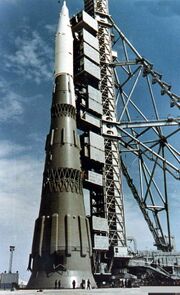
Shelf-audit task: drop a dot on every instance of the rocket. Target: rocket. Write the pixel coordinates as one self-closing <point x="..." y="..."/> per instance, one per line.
<point x="61" y="249"/>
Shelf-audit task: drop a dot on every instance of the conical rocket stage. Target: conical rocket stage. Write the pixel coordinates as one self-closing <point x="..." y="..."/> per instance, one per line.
<point x="61" y="247"/>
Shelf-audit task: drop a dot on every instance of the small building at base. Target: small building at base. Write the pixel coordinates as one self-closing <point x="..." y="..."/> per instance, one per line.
<point x="9" y="280"/>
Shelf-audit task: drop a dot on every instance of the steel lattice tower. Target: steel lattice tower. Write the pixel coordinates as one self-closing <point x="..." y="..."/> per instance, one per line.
<point x="114" y="209"/>
<point x="129" y="129"/>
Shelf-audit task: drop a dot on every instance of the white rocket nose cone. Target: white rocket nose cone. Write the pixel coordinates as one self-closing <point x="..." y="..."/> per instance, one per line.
<point x="63" y="18"/>
<point x="64" y="44"/>
<point x="64" y="4"/>
<point x="64" y="10"/>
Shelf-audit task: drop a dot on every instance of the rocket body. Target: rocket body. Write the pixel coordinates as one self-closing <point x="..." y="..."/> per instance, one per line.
<point x="64" y="49"/>
<point x="61" y="247"/>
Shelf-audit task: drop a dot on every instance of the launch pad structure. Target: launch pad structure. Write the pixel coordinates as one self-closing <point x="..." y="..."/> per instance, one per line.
<point x="116" y="129"/>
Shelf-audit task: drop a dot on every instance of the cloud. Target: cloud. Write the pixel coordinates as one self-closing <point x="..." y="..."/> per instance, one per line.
<point x="51" y="28"/>
<point x="10" y="103"/>
<point x="7" y="149"/>
<point x="161" y="8"/>
<point x="10" y="107"/>
<point x="9" y="1"/>
<point x="18" y="179"/>
<point x="20" y="185"/>
<point x="32" y="58"/>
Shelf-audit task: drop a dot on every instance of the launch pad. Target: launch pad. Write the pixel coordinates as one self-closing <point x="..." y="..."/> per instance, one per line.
<point x="133" y="291"/>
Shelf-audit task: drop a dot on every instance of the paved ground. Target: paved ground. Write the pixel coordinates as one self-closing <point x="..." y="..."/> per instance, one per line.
<point x="114" y="291"/>
<point x="78" y="292"/>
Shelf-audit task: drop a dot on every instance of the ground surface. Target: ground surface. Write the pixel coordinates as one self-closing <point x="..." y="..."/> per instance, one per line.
<point x="114" y="291"/>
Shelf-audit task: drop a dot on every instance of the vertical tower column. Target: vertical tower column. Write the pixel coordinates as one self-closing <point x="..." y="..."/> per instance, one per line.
<point x="114" y="207"/>
<point x="12" y="249"/>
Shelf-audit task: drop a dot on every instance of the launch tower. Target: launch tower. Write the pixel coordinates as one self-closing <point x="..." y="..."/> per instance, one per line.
<point x="94" y="81"/>
<point x="113" y="123"/>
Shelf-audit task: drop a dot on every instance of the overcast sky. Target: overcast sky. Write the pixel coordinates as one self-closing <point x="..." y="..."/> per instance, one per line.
<point x="27" y="29"/>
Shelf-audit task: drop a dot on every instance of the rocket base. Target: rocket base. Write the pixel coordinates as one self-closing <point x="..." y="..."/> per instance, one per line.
<point x="42" y="280"/>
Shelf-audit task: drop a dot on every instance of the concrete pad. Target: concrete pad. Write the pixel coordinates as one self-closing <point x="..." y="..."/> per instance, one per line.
<point x="112" y="291"/>
<point x="161" y="290"/>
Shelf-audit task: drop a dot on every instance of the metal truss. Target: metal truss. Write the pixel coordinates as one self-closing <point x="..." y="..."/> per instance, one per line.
<point x="147" y="135"/>
<point x="114" y="208"/>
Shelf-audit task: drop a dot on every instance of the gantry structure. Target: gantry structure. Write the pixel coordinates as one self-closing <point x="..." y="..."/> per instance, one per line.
<point x="119" y="95"/>
<point x="114" y="208"/>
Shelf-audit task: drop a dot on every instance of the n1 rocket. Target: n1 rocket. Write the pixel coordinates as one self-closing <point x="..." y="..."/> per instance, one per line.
<point x="61" y="247"/>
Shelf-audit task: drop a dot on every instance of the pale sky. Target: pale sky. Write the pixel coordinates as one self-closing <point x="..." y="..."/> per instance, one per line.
<point x="27" y="30"/>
